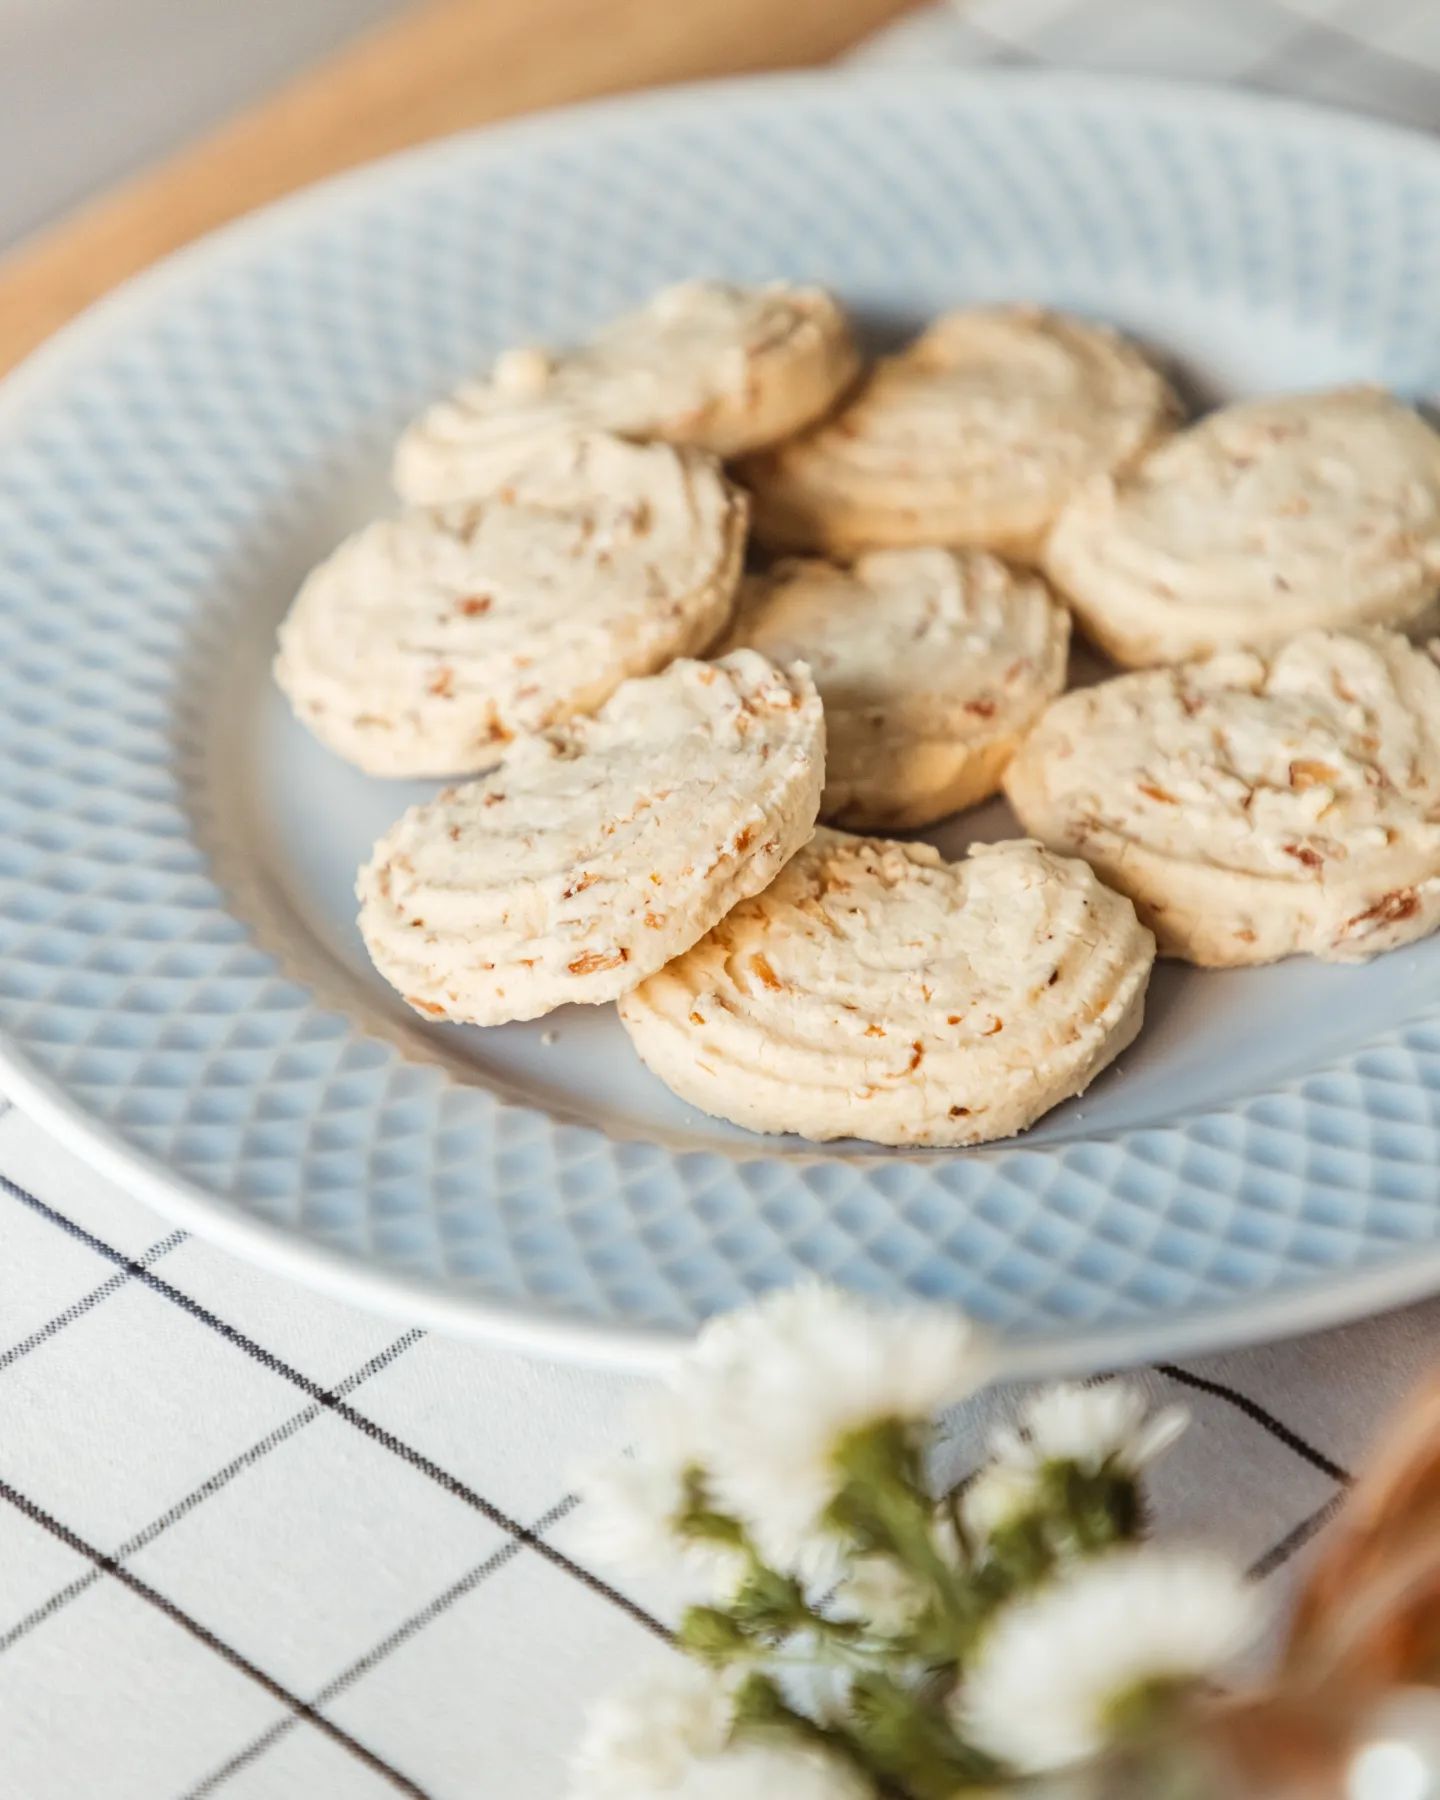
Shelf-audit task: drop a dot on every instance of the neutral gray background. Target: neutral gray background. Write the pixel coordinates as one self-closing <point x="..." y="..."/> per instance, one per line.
<point x="91" y="90"/>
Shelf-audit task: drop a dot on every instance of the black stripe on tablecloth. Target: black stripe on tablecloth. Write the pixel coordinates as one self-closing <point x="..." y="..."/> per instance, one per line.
<point x="362" y="1665"/>
<point x="87" y="1302"/>
<point x="210" y="1486"/>
<point x="327" y="1397"/>
<point x="1279" y="1553"/>
<point x="301" y="1709"/>
<point x="1295" y="1539"/>
<point x="1253" y="1411"/>
<point x="332" y="1399"/>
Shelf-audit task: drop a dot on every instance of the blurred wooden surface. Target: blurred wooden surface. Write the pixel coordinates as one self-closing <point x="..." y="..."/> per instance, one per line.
<point x="441" y="66"/>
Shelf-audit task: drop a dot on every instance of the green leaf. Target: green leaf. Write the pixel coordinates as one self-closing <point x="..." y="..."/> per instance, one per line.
<point x="712" y="1635"/>
<point x="1021" y="1555"/>
<point x="771" y="1603"/>
<point x="698" y="1519"/>
<point x="758" y="1702"/>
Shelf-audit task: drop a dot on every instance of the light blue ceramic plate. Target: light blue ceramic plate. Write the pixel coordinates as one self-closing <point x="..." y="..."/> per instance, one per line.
<point x="182" y="990"/>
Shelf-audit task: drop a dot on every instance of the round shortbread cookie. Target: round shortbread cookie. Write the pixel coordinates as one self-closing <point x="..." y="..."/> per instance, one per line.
<point x="878" y="992"/>
<point x="706" y="363"/>
<point x="978" y="433"/>
<point x="932" y="665"/>
<point x="427" y="642"/>
<point x="601" y="848"/>
<point x="1265" y="519"/>
<point x="1254" y="807"/>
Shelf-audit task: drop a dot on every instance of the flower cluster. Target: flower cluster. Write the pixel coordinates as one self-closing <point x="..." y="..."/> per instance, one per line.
<point x="854" y="1638"/>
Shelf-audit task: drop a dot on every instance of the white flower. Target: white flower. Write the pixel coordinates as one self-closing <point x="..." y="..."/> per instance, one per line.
<point x="1111" y="1422"/>
<point x="775" y="1390"/>
<point x="631" y="1507"/>
<point x="781" y="1770"/>
<point x="669" y="1739"/>
<point x="815" y="1684"/>
<point x="996" y="1497"/>
<point x="645" y="1740"/>
<point x="878" y="1592"/>
<point x="1054" y="1668"/>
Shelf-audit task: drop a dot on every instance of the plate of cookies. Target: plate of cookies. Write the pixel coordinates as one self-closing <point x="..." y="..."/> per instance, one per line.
<point x="812" y="675"/>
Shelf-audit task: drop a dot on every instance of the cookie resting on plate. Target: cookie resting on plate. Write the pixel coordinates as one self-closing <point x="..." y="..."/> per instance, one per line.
<point x="599" y="849"/>
<point x="1267" y="518"/>
<point x="932" y="665"/>
<point x="426" y="643"/>
<point x="876" y="991"/>
<point x="708" y="363"/>
<point x="977" y="434"/>
<point x="1254" y="806"/>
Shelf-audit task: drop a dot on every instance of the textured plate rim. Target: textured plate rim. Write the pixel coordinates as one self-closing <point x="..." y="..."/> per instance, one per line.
<point x="1333" y="1298"/>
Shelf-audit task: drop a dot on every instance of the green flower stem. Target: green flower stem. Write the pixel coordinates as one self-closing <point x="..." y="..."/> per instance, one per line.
<point x="761" y="1707"/>
<point x="955" y="1513"/>
<point x="897" y="1730"/>
<point x="884" y="1507"/>
<point x="910" y="1744"/>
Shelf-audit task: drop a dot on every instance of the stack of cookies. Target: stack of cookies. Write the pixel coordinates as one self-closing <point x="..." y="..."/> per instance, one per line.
<point x="879" y="568"/>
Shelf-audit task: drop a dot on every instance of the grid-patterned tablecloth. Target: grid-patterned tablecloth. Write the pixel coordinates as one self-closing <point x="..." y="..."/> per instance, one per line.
<point x="254" y="1543"/>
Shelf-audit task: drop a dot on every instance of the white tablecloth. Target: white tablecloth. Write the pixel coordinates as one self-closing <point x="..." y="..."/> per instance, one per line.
<point x="254" y="1543"/>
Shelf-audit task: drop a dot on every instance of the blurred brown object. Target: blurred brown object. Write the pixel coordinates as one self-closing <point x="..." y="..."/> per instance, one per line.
<point x="1364" y="1636"/>
<point x="441" y="66"/>
<point x="1369" y="1616"/>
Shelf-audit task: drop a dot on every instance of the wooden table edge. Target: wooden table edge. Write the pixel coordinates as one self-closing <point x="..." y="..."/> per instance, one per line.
<point x="439" y="67"/>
